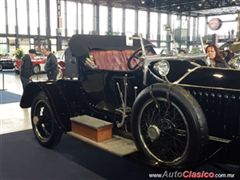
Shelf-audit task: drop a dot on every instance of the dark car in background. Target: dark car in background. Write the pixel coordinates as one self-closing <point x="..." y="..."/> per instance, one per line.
<point x="6" y="62"/>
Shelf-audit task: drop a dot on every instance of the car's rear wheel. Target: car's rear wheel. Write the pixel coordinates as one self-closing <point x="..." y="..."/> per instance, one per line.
<point x="1" y="67"/>
<point x="44" y="125"/>
<point x="36" y="69"/>
<point x="169" y="126"/>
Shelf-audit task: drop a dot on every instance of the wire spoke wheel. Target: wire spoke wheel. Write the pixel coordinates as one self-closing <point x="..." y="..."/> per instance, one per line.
<point x="166" y="124"/>
<point x="164" y="132"/>
<point x="44" y="126"/>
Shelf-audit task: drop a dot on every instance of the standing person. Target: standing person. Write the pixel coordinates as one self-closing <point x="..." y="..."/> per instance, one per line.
<point x="214" y="58"/>
<point x="26" y="69"/>
<point x="51" y="66"/>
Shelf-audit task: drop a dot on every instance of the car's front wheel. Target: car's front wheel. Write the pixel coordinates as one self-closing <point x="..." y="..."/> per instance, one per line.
<point x="44" y="125"/>
<point x="169" y="126"/>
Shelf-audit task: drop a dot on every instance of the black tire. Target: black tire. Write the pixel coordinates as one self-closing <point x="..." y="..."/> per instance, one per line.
<point x="43" y="120"/>
<point x="169" y="126"/>
<point x="1" y="67"/>
<point x="36" y="69"/>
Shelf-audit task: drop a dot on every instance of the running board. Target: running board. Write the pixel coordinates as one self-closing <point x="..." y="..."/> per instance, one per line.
<point x="117" y="145"/>
<point x="218" y="139"/>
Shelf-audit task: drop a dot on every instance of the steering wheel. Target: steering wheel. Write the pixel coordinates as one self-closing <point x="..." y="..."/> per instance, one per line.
<point x="137" y="55"/>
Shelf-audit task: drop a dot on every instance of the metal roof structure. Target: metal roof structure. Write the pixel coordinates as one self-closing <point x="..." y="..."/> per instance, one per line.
<point x="183" y="7"/>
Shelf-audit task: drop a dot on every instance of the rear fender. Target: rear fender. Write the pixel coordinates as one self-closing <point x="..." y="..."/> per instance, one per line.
<point x="56" y="98"/>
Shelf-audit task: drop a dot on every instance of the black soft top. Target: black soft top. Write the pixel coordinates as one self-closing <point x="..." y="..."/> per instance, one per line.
<point x="80" y="45"/>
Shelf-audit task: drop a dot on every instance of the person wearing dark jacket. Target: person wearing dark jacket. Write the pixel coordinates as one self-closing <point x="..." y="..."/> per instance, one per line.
<point x="51" y="66"/>
<point x="214" y="57"/>
<point x="26" y="69"/>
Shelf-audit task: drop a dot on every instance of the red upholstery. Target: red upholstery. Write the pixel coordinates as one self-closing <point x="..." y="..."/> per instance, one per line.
<point x="111" y="59"/>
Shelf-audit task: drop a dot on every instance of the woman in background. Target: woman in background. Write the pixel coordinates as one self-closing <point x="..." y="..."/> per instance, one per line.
<point x="214" y="58"/>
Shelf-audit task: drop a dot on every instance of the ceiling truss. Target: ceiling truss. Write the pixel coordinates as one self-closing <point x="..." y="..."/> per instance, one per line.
<point x="183" y="7"/>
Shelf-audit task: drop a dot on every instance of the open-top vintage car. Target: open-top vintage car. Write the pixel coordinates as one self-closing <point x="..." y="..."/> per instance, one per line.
<point x="170" y="107"/>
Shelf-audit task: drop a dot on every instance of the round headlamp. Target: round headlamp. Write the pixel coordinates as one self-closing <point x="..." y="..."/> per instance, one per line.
<point x="162" y="67"/>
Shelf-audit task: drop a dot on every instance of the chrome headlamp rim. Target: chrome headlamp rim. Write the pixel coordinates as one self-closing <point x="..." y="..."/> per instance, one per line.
<point x="162" y="67"/>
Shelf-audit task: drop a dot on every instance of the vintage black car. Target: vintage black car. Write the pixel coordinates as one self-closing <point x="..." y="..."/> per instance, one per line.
<point x="170" y="107"/>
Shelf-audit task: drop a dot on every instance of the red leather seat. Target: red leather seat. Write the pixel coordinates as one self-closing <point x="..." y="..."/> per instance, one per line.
<point x="111" y="59"/>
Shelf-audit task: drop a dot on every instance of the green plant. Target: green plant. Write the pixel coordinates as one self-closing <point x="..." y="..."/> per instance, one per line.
<point x="19" y="53"/>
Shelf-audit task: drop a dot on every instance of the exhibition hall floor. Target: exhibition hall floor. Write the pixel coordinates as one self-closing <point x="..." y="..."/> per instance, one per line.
<point x="12" y="118"/>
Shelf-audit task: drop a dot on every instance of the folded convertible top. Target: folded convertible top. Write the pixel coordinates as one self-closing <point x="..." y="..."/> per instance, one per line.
<point x="80" y="45"/>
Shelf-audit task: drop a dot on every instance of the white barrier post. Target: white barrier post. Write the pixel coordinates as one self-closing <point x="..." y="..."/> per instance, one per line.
<point x="2" y="81"/>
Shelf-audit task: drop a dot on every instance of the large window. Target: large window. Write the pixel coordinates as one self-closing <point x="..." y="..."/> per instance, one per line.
<point x="201" y="26"/>
<point x="79" y="18"/>
<point x="2" y="17"/>
<point x="3" y="46"/>
<point x="130" y="21"/>
<point x="22" y="17"/>
<point x="184" y="30"/>
<point x="117" y="20"/>
<point x="163" y="27"/>
<point x="63" y="17"/>
<point x="42" y="7"/>
<point x="53" y="45"/>
<point x="53" y="17"/>
<point x="33" y="15"/>
<point x="11" y="16"/>
<point x="192" y="20"/>
<point x="175" y="21"/>
<point x="142" y="23"/>
<point x="71" y="18"/>
<point x="87" y="18"/>
<point x="153" y="25"/>
<point x="176" y="30"/>
<point x="103" y="20"/>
